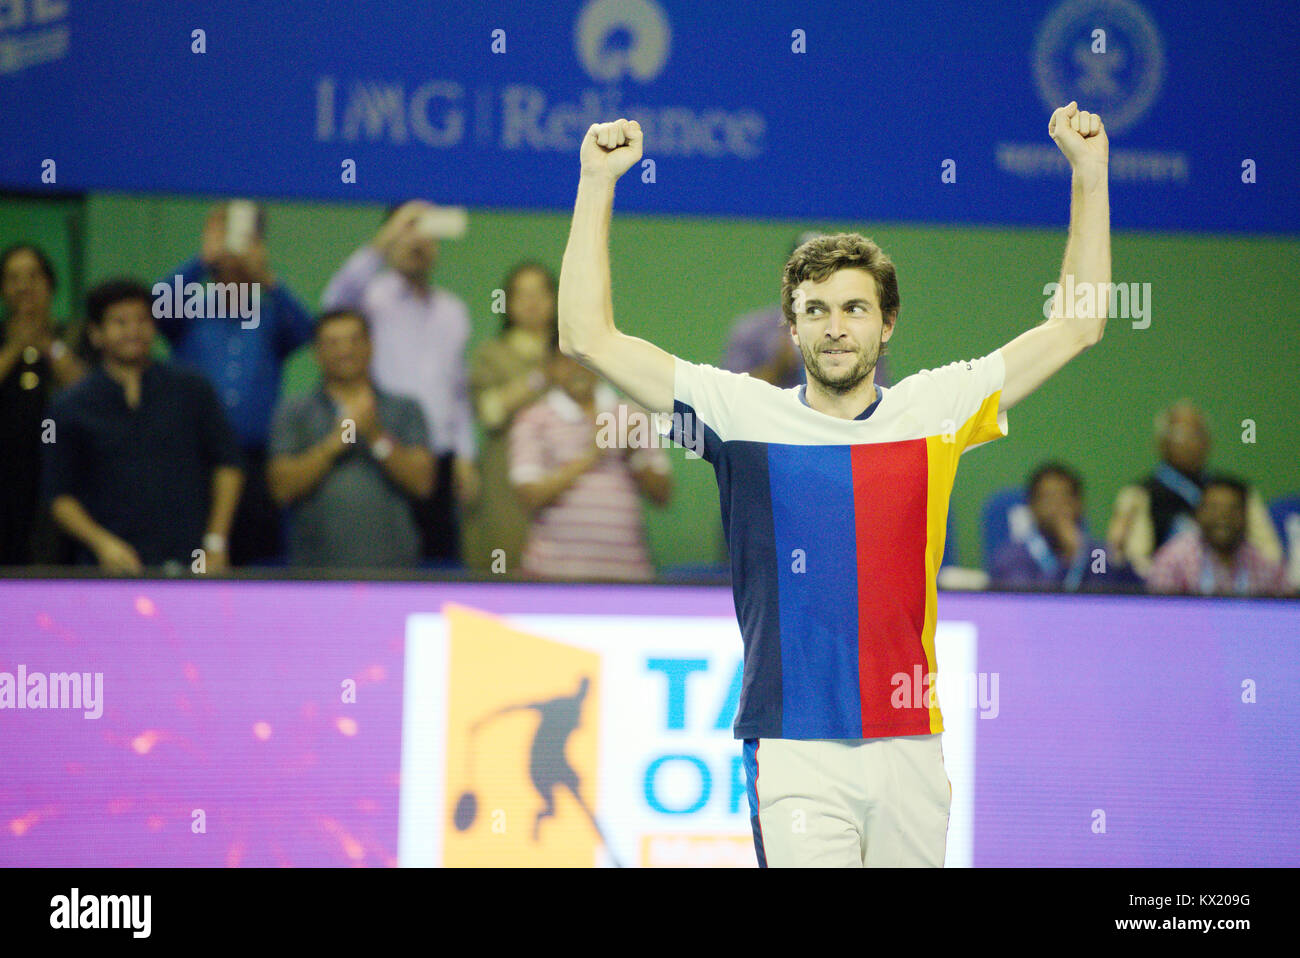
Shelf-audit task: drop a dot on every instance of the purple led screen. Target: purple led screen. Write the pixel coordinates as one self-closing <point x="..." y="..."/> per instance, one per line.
<point x="1172" y="723"/>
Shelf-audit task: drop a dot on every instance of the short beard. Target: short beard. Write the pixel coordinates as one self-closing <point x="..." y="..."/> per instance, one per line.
<point x="851" y="380"/>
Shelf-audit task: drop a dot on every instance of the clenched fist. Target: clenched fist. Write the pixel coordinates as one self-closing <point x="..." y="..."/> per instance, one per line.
<point x="610" y="149"/>
<point x="1080" y="135"/>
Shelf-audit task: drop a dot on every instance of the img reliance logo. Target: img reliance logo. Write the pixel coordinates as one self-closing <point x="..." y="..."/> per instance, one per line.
<point x="181" y="300"/>
<point x="623" y="46"/>
<point x="33" y="32"/>
<point x="53" y="690"/>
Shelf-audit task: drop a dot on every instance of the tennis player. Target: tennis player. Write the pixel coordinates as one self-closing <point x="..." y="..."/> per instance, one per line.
<point x="834" y="500"/>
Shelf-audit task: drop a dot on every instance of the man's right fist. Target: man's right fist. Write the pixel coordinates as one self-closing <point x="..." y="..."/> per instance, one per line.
<point x="610" y="149"/>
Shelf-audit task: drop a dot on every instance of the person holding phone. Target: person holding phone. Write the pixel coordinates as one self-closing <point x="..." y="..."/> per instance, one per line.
<point x="420" y="333"/>
<point x="242" y="357"/>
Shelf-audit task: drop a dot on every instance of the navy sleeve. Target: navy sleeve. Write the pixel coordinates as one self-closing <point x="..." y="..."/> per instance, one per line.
<point x="64" y="459"/>
<point x="1009" y="567"/>
<point x="293" y="324"/>
<point x="216" y="437"/>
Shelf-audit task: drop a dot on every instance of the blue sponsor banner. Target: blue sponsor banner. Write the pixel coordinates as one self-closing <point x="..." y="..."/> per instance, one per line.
<point x="904" y="111"/>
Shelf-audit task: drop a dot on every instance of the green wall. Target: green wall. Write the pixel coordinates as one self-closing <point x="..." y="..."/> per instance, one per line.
<point x="1222" y="330"/>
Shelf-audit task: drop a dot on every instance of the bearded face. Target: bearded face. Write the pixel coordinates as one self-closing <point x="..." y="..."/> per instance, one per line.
<point x="840" y="329"/>
<point x="839" y="366"/>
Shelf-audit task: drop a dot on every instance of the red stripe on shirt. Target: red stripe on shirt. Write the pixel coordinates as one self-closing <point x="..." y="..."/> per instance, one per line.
<point x="890" y="482"/>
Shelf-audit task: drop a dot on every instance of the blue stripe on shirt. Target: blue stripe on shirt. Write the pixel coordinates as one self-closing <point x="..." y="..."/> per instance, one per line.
<point x="819" y="605"/>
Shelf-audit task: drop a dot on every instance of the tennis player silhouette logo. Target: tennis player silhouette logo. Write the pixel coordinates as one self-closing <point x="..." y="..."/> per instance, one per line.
<point x="547" y="765"/>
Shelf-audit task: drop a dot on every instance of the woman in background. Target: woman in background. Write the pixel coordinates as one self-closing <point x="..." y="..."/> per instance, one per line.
<point x="35" y="361"/>
<point x="506" y="375"/>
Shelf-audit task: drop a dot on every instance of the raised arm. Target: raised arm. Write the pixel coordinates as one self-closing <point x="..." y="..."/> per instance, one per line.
<point x="586" y="309"/>
<point x="1071" y="328"/>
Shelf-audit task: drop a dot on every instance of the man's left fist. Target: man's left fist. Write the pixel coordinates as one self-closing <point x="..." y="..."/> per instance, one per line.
<point x="1080" y="135"/>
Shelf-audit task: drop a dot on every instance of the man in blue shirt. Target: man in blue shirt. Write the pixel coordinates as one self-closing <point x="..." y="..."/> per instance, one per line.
<point x="243" y="360"/>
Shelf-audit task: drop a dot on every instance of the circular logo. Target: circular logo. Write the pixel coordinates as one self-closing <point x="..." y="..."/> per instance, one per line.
<point x="1116" y="74"/>
<point x="618" y="38"/>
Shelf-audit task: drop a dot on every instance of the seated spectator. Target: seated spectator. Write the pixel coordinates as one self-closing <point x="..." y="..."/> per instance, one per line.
<point x="1213" y="557"/>
<point x="506" y="375"/>
<point x="420" y="333"/>
<point x="243" y="359"/>
<point x="1150" y="513"/>
<point x="583" y="482"/>
<point x="35" y="362"/>
<point x="350" y="459"/>
<point x="143" y="469"/>
<point x="1059" y="552"/>
<point x="760" y="344"/>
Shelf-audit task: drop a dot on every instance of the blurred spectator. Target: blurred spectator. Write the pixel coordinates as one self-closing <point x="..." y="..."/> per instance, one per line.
<point x="1149" y="514"/>
<point x="35" y="361"/>
<point x="420" y="332"/>
<point x="143" y="469"/>
<point x="350" y="458"/>
<point x="506" y="375"/>
<point x="760" y="344"/>
<point x="1213" y="557"/>
<point x="1058" y="552"/>
<point x="242" y="361"/>
<point x="582" y="480"/>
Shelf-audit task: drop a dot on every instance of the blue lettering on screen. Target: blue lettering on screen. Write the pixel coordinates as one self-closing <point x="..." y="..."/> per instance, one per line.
<point x="676" y="671"/>
<point x="652" y="796"/>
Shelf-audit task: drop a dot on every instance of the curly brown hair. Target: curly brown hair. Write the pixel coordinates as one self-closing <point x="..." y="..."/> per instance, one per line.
<point x="820" y="257"/>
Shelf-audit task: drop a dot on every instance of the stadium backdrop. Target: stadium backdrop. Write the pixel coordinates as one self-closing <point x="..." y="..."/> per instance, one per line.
<point x="752" y="141"/>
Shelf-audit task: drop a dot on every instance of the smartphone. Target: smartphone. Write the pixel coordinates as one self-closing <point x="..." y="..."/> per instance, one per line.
<point x="241" y="226"/>
<point x="443" y="222"/>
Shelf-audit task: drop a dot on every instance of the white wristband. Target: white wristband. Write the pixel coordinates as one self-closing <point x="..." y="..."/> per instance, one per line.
<point x="213" y="542"/>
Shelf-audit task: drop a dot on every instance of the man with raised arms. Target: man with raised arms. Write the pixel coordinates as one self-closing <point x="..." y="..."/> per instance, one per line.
<point x="834" y="497"/>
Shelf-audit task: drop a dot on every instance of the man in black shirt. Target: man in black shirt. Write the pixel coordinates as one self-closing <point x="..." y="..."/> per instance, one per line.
<point x="144" y="469"/>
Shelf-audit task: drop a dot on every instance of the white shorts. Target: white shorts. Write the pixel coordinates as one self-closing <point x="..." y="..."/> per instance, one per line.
<point x="848" y="803"/>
